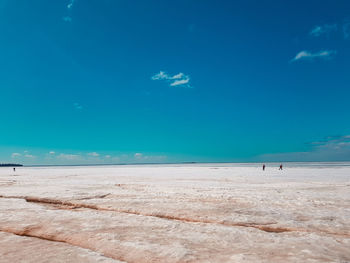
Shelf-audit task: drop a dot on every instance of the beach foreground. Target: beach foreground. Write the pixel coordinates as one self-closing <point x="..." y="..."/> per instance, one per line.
<point x="175" y="213"/>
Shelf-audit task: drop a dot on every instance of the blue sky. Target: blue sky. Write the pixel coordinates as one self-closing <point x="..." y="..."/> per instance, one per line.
<point x="115" y="81"/>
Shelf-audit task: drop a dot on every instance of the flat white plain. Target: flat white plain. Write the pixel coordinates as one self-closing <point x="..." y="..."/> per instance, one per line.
<point x="176" y="213"/>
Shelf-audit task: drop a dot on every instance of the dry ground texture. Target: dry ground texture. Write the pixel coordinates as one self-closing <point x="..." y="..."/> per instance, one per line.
<point x="175" y="213"/>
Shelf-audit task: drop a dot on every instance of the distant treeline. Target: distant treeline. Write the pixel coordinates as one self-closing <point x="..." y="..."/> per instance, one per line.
<point x="10" y="165"/>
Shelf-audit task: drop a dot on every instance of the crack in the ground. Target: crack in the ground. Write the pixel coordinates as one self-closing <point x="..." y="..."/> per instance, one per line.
<point x="94" y="197"/>
<point x="72" y="205"/>
<point x="266" y="227"/>
<point x="30" y="231"/>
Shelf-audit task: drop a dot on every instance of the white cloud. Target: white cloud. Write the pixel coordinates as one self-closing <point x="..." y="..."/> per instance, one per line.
<point x="69" y="156"/>
<point x="107" y="156"/>
<point x="178" y="76"/>
<point x="327" y="29"/>
<point x="306" y="55"/>
<point x="29" y="156"/>
<point x="93" y="154"/>
<point x="180" y="82"/>
<point x="70" y="5"/>
<point x="323" y="30"/>
<point x="316" y="31"/>
<point x="138" y="155"/>
<point x="160" y="75"/>
<point x="146" y="158"/>
<point x="68" y="17"/>
<point x="14" y="155"/>
<point x="52" y="153"/>
<point x="179" y="79"/>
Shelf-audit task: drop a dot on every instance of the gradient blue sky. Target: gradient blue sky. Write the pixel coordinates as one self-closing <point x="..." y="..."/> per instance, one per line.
<point x="115" y="81"/>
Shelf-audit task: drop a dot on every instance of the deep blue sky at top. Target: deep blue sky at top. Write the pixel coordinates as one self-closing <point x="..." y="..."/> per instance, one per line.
<point x="78" y="79"/>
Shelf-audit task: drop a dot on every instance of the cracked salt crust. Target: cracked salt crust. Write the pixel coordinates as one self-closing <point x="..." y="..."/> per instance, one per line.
<point x="178" y="213"/>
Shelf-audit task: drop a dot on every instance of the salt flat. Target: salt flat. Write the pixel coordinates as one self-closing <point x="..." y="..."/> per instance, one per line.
<point x="175" y="213"/>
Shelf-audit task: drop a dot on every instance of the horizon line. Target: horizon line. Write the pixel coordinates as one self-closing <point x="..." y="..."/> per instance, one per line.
<point x="170" y="163"/>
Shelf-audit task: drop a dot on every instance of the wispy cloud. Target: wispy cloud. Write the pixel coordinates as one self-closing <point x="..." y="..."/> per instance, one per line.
<point x="67" y="19"/>
<point x="145" y="158"/>
<point x="346" y="29"/>
<point x="15" y="155"/>
<point x="179" y="79"/>
<point x="138" y="155"/>
<point x="306" y="55"/>
<point x="93" y="154"/>
<point x="180" y="82"/>
<point x="331" y="148"/>
<point x="69" y="156"/>
<point x="161" y="75"/>
<point x="326" y="29"/>
<point x="22" y="156"/>
<point x="56" y="157"/>
<point x="338" y="139"/>
<point x="77" y="106"/>
<point x="70" y="4"/>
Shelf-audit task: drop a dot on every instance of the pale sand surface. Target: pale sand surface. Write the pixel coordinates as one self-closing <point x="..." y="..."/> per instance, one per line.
<point x="175" y="213"/>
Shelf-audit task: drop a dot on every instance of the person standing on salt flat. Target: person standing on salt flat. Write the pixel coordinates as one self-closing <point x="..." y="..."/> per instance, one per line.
<point x="281" y="167"/>
<point x="263" y="167"/>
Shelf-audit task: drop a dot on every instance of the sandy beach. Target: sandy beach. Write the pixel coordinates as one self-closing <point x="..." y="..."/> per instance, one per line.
<point x="176" y="213"/>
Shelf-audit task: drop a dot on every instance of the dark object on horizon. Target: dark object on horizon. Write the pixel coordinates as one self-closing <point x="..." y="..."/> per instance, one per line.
<point x="281" y="167"/>
<point x="10" y="165"/>
<point x="14" y="169"/>
<point x="263" y="167"/>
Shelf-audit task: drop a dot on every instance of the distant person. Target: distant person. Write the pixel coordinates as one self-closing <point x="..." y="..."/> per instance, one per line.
<point x="281" y="167"/>
<point x="263" y="167"/>
<point x="14" y="169"/>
